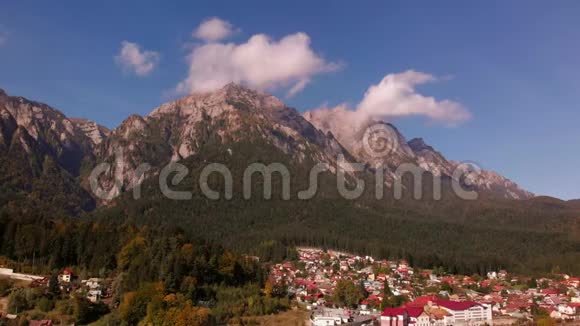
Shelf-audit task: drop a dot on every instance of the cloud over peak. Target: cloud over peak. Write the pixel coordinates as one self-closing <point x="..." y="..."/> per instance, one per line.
<point x="133" y="59"/>
<point x="213" y="29"/>
<point x="261" y="62"/>
<point x="394" y="97"/>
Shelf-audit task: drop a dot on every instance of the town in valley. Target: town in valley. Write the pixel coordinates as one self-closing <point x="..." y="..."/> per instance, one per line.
<point x="340" y="288"/>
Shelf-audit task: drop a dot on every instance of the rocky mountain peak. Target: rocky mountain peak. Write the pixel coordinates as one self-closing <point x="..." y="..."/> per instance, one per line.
<point x="231" y="97"/>
<point x="235" y="87"/>
<point x="258" y="99"/>
<point x="134" y="124"/>
<point x="418" y="145"/>
<point x="95" y="132"/>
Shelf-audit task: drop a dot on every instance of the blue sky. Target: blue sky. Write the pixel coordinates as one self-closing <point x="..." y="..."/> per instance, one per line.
<point x="514" y="65"/>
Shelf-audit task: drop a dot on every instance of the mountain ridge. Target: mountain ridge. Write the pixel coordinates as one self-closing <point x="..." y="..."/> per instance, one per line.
<point x="174" y="131"/>
<point x="415" y="151"/>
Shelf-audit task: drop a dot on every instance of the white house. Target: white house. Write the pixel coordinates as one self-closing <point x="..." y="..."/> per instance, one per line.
<point x="94" y="295"/>
<point x="93" y="283"/>
<point x="66" y="276"/>
<point x="327" y="317"/>
<point x="467" y="312"/>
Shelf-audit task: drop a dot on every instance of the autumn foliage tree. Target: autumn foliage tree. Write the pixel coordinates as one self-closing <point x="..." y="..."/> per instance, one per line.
<point x="348" y="294"/>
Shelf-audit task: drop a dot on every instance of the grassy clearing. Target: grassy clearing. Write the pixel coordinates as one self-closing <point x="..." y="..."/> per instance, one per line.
<point x="294" y="317"/>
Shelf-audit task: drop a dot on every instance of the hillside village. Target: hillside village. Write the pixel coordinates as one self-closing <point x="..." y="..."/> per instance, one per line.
<point x="29" y="287"/>
<point x="341" y="288"/>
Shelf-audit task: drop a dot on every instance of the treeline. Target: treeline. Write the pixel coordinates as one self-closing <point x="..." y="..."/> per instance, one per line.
<point x="424" y="240"/>
<point x="159" y="273"/>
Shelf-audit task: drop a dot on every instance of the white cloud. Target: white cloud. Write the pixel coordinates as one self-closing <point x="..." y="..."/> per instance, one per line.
<point x="213" y="29"/>
<point x="132" y="58"/>
<point x="260" y="63"/>
<point x="340" y="120"/>
<point x="394" y="97"/>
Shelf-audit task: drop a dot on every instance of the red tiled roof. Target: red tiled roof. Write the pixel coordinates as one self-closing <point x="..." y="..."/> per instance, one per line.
<point x="413" y="312"/>
<point x="485" y="283"/>
<point x="549" y="291"/>
<point x="421" y="301"/>
<point x="457" y="305"/>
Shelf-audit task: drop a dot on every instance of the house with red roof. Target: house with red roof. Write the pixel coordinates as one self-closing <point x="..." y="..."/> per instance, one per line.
<point x="422" y="301"/>
<point x="485" y="283"/>
<point x="435" y="316"/>
<point x="449" y="280"/>
<point x="498" y="288"/>
<point x="401" y="316"/>
<point x="468" y="281"/>
<point x="550" y="292"/>
<point x="573" y="281"/>
<point x="430" y="311"/>
<point x="66" y="276"/>
<point x="552" y="300"/>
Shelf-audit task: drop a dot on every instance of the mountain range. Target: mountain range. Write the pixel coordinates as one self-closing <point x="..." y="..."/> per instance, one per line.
<point x="45" y="138"/>
<point x="46" y="159"/>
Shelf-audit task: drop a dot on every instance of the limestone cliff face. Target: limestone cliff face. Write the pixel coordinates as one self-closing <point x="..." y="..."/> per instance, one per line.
<point x="42" y="153"/>
<point x="51" y="130"/>
<point x="180" y="129"/>
<point x="93" y="131"/>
